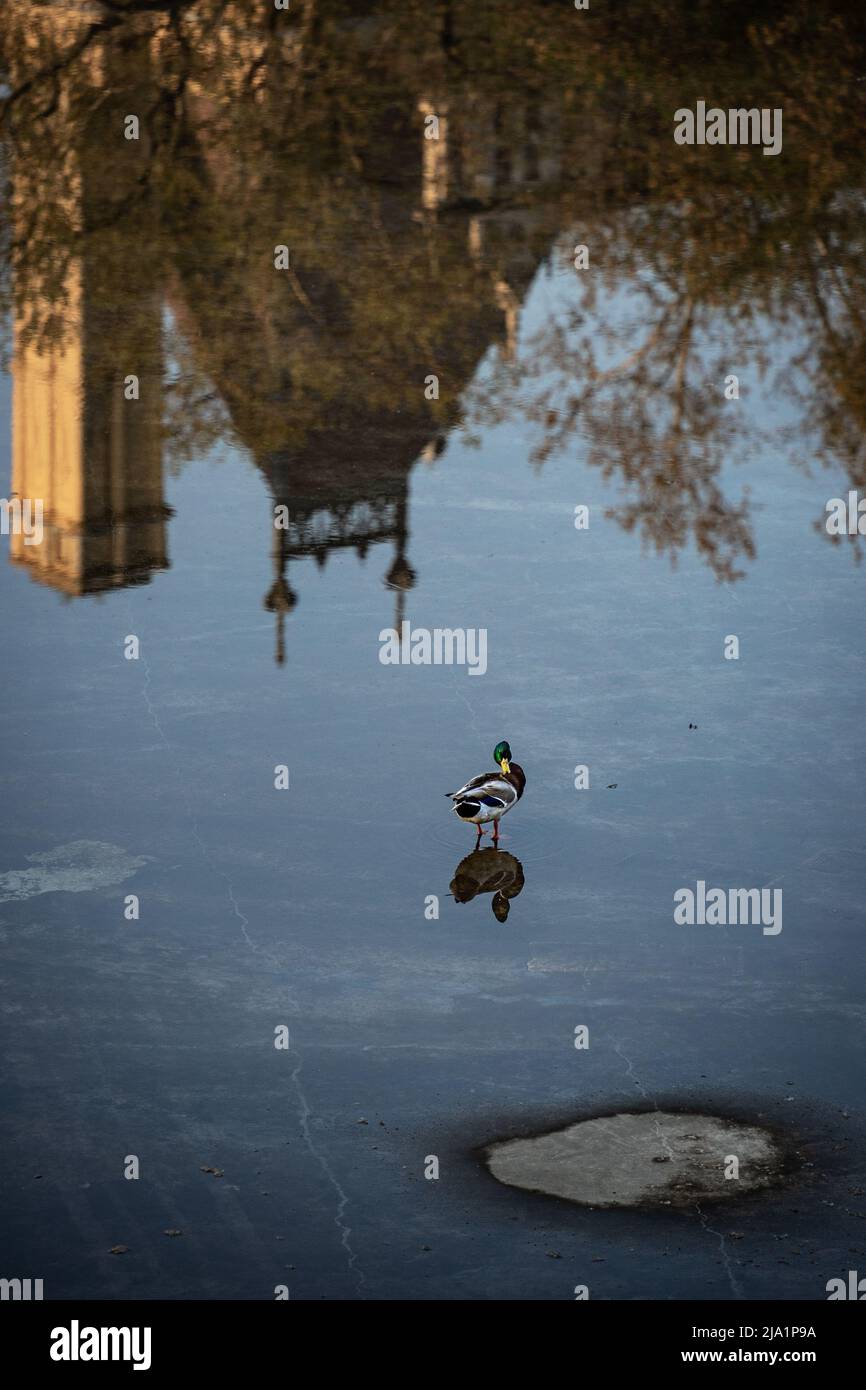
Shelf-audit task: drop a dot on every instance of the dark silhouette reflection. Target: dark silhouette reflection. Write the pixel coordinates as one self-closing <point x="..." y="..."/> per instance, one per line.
<point x="489" y="871"/>
<point x="410" y="258"/>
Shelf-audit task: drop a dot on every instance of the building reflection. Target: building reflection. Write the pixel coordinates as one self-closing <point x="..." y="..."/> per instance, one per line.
<point x="94" y="458"/>
<point x="411" y="257"/>
<point x="336" y="458"/>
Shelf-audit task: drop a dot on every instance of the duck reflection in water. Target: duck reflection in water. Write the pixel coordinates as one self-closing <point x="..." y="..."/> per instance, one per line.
<point x="489" y="871"/>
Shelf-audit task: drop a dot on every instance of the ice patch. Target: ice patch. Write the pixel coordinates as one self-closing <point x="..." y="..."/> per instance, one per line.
<point x="652" y="1158"/>
<point x="79" y="867"/>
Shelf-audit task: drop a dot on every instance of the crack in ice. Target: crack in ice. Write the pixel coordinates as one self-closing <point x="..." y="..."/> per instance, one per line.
<point x="342" y="1198"/>
<point x="304" y="1107"/>
<point x="736" y="1287"/>
<point x="662" y="1138"/>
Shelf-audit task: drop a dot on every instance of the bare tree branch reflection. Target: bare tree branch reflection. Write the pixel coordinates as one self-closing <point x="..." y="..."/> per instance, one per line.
<point x="305" y="127"/>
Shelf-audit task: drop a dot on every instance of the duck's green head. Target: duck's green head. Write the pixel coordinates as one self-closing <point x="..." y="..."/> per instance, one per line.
<point x="502" y="755"/>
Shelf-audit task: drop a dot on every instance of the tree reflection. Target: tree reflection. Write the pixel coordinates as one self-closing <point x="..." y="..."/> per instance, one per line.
<point x="262" y="127"/>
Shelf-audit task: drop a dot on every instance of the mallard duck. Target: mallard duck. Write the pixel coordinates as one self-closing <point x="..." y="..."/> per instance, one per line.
<point x="490" y="795"/>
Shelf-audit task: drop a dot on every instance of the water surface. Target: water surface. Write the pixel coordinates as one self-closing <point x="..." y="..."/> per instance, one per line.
<point x="415" y="1035"/>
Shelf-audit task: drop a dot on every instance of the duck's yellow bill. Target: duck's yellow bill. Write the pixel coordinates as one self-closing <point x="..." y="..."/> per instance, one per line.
<point x="505" y="765"/>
